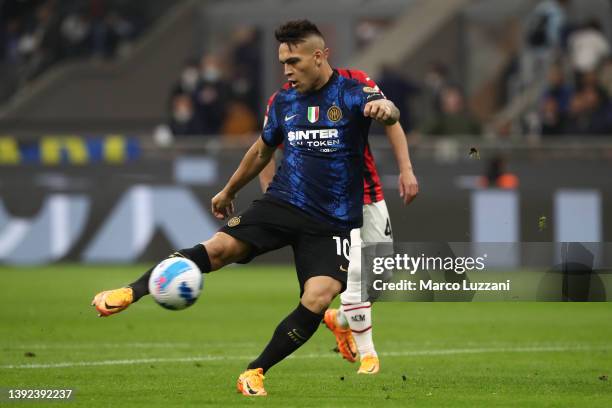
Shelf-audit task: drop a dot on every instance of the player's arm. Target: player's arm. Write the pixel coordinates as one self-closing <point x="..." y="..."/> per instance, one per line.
<point x="267" y="174"/>
<point x="253" y="162"/>
<point x="407" y="182"/>
<point x="376" y="106"/>
<point x="383" y="111"/>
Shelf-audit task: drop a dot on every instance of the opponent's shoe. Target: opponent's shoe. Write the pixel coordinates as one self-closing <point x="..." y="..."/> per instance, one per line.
<point x="344" y="338"/>
<point x="369" y="365"/>
<point x="113" y="301"/>
<point x="250" y="383"/>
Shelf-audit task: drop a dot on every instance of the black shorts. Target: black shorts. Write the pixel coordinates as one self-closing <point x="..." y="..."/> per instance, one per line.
<point x="270" y="224"/>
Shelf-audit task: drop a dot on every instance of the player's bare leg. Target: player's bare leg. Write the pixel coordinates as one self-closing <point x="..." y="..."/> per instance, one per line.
<point x="222" y="249"/>
<point x="292" y="332"/>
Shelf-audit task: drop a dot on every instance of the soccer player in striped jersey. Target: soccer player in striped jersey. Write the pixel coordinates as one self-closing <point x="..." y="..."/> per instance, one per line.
<point x="352" y="323"/>
<point x="312" y="204"/>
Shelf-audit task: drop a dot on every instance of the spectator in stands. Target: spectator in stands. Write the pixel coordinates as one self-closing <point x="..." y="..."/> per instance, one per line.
<point x="75" y="30"/>
<point x="246" y="63"/>
<point x="588" y="47"/>
<point x="605" y="76"/>
<point x="34" y="34"/>
<point x="436" y="79"/>
<point x="211" y="95"/>
<point x="239" y="120"/>
<point x="40" y="42"/>
<point x="544" y="31"/>
<point x="184" y="121"/>
<point x="555" y="103"/>
<point x="591" y="80"/>
<point x="188" y="81"/>
<point x="454" y="119"/>
<point x="590" y="112"/>
<point x="398" y="90"/>
<point x="10" y="37"/>
<point x="99" y="29"/>
<point x="121" y="32"/>
<point x="558" y="89"/>
<point x="111" y="30"/>
<point x="553" y="119"/>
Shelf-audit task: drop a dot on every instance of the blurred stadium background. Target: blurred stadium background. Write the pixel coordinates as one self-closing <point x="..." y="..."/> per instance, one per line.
<point x="119" y="120"/>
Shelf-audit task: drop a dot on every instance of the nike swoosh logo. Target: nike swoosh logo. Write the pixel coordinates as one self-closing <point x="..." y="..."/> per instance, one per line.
<point x="249" y="389"/>
<point x="288" y="118"/>
<point x="106" y="305"/>
<point x="296" y="333"/>
<point x="343" y="269"/>
<point x="348" y="346"/>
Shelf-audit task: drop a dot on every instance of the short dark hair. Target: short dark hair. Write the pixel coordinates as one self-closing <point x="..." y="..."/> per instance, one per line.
<point x="296" y="31"/>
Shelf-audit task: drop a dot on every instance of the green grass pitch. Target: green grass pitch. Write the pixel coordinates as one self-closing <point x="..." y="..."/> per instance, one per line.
<point x="432" y="354"/>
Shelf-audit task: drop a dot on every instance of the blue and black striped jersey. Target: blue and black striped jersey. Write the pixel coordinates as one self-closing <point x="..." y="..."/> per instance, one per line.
<point x="324" y="134"/>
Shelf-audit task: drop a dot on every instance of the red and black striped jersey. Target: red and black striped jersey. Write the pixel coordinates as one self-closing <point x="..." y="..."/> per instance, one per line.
<point x="372" y="186"/>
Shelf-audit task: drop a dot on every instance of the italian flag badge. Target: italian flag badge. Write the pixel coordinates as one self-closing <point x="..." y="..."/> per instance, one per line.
<point x="313" y="114"/>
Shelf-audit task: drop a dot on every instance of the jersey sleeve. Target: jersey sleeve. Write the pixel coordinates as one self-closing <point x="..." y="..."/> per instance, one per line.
<point x="359" y="76"/>
<point x="359" y="95"/>
<point x="272" y="134"/>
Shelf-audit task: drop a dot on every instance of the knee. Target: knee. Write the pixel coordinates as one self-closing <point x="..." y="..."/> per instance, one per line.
<point x="223" y="249"/>
<point x="317" y="297"/>
<point x="318" y="302"/>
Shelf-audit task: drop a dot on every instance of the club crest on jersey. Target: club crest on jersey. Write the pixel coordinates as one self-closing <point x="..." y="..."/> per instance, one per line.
<point x="334" y="114"/>
<point x="233" y="221"/>
<point x="313" y="114"/>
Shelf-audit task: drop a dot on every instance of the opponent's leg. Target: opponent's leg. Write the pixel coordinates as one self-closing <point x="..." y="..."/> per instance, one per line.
<point x="376" y="228"/>
<point x="211" y="255"/>
<point x="356" y="313"/>
<point x="292" y="332"/>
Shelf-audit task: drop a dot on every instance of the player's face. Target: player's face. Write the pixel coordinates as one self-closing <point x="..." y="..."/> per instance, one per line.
<point x="302" y="65"/>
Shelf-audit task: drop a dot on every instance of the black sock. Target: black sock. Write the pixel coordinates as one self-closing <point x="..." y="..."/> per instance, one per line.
<point x="197" y="254"/>
<point x="289" y="335"/>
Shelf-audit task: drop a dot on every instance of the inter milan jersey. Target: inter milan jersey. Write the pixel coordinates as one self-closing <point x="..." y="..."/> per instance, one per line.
<point x="324" y="134"/>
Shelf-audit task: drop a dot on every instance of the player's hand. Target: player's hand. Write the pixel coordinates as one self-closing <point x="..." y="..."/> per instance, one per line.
<point x="381" y="110"/>
<point x="222" y="205"/>
<point x="408" y="186"/>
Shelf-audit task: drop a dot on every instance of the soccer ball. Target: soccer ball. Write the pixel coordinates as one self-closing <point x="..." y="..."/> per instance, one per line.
<point x="175" y="283"/>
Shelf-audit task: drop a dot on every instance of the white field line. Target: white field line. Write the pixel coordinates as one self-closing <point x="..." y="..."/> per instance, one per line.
<point x="85" y="346"/>
<point x="439" y="352"/>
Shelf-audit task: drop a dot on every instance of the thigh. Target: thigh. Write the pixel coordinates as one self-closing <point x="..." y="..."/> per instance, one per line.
<point x="322" y="255"/>
<point x="376" y="229"/>
<point x="376" y="223"/>
<point x="253" y="227"/>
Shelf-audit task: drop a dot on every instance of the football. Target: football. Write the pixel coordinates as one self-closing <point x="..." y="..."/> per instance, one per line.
<point x="176" y="283"/>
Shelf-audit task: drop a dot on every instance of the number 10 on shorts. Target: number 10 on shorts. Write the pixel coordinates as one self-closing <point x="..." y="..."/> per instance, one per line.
<point x="342" y="246"/>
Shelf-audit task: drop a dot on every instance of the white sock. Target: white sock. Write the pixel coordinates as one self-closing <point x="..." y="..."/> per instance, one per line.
<point x="359" y="317"/>
<point x="341" y="319"/>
